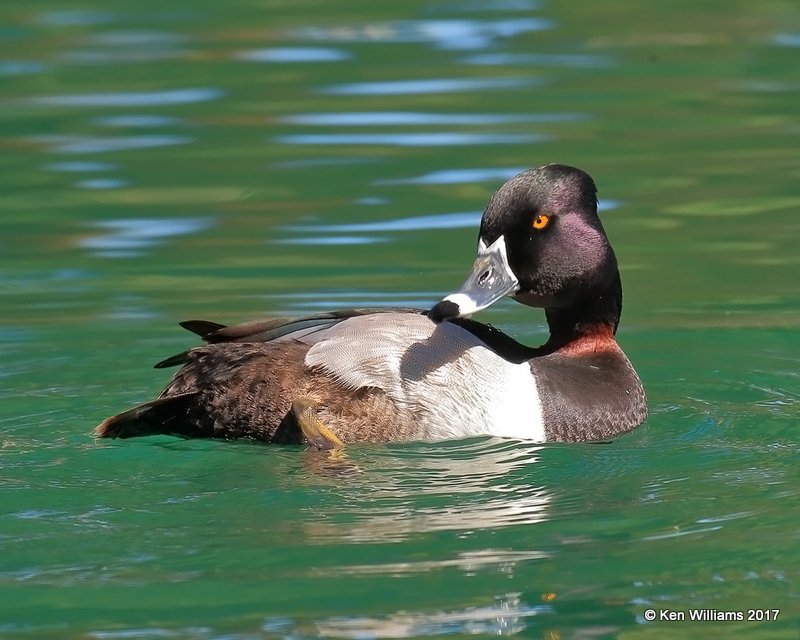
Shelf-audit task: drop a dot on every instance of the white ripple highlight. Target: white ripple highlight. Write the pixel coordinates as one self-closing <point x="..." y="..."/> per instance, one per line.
<point x="422" y="139"/>
<point x="133" y="99"/>
<point x="432" y="85"/>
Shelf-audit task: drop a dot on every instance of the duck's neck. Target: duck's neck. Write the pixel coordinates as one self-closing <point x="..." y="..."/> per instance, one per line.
<point x="588" y="324"/>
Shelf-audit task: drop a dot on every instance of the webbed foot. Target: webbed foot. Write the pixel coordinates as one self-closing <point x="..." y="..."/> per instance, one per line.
<point x="325" y="454"/>
<point x="319" y="436"/>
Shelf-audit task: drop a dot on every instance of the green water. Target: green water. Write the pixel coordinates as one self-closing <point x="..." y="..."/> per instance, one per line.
<point x="171" y="160"/>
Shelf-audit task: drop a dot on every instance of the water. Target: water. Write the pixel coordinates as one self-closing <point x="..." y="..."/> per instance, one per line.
<point x="229" y="161"/>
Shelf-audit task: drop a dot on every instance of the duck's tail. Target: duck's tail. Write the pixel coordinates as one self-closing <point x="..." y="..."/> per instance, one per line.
<point x="168" y="416"/>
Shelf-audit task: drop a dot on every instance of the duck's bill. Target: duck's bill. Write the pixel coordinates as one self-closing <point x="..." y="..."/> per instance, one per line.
<point x="490" y="280"/>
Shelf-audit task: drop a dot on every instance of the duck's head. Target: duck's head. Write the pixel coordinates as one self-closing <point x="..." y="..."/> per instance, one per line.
<point x="542" y="243"/>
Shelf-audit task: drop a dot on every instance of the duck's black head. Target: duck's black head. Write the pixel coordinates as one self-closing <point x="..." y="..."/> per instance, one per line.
<point x="542" y="242"/>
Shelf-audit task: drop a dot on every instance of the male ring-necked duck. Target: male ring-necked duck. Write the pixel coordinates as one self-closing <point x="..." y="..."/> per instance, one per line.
<point x="380" y="375"/>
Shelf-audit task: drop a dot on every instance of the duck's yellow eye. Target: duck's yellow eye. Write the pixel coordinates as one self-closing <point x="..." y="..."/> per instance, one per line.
<point x="540" y="221"/>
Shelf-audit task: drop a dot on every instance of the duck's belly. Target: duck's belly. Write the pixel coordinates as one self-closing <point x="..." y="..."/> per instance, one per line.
<point x="445" y="381"/>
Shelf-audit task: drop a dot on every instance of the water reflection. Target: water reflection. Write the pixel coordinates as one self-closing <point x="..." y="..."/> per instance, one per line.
<point x="101" y="183"/>
<point x="570" y="61"/>
<point x="485" y="7"/>
<point x="432" y="85"/>
<point x="20" y="68"/>
<point x="190" y="95"/>
<point x="458" y="220"/>
<point x="371" y="118"/>
<point x="466" y="561"/>
<point x="136" y="121"/>
<point x="81" y="166"/>
<point x="293" y="54"/>
<point x="459" y="176"/>
<point x="324" y="162"/>
<point x="127" y="238"/>
<point x="94" y="144"/>
<point x="506" y="616"/>
<point x="75" y="18"/>
<point x="462" y="486"/>
<point x="422" y="139"/>
<point x="331" y="240"/>
<point x="127" y="46"/>
<point x="787" y="39"/>
<point x="136" y="38"/>
<point x="133" y="55"/>
<point x="442" y="34"/>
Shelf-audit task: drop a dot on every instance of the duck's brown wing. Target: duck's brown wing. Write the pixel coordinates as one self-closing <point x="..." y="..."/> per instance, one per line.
<point x="240" y="385"/>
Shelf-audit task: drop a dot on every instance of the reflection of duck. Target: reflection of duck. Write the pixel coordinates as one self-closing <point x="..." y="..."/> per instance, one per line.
<point x="504" y="615"/>
<point x="469" y="485"/>
<point x="391" y="375"/>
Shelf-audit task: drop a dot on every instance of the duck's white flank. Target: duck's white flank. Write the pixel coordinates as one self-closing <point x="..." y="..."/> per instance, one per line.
<point x="453" y="385"/>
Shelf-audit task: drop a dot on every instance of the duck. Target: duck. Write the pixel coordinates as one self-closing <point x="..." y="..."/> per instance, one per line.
<point x="384" y="375"/>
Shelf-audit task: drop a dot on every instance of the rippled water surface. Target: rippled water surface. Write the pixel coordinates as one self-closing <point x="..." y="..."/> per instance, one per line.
<point x="163" y="161"/>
